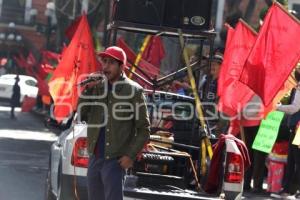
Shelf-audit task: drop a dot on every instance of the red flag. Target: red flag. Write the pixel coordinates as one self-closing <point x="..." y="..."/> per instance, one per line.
<point x="274" y="55"/>
<point x="230" y="32"/>
<point x="238" y="48"/>
<point x="224" y="69"/>
<point x="48" y="55"/>
<point x="154" y="51"/>
<point x="131" y="56"/>
<point x="47" y="68"/>
<point x="28" y="104"/>
<point x="31" y="61"/>
<point x="21" y="61"/>
<point x="43" y="86"/>
<point x="77" y="62"/>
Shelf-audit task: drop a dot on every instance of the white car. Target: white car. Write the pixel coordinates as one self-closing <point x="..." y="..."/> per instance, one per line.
<point x="68" y="165"/>
<point x="28" y="86"/>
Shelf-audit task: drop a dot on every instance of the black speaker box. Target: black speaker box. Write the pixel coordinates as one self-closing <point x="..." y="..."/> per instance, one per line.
<point x="187" y="14"/>
<point x="184" y="14"/>
<point x="149" y="12"/>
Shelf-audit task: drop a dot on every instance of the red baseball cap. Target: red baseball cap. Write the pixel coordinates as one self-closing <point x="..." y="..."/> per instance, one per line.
<point x="114" y="52"/>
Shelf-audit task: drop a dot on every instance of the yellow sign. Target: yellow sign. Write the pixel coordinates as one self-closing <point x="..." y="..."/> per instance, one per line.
<point x="296" y="140"/>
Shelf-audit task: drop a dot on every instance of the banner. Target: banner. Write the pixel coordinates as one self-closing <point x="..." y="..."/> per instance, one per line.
<point x="268" y="132"/>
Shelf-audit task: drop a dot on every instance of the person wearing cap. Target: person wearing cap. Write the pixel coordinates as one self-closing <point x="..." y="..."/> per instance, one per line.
<point x="15" y="98"/>
<point x="209" y="93"/>
<point x="118" y="126"/>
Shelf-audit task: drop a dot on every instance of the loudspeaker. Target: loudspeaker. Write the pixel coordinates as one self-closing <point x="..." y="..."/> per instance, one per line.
<point x="149" y="12"/>
<point x="184" y="14"/>
<point x="187" y="14"/>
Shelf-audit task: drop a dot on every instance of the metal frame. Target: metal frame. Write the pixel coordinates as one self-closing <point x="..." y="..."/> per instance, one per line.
<point x="201" y="35"/>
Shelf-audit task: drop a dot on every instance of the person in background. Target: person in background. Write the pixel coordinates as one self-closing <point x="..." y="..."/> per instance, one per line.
<point x="250" y="123"/>
<point x="209" y="96"/>
<point x="293" y="118"/>
<point x="15" y="98"/>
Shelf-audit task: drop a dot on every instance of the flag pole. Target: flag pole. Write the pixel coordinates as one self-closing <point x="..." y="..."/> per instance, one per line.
<point x="205" y="143"/>
<point x="248" y="26"/>
<point x="139" y="56"/>
<point x="286" y="11"/>
<point x="242" y="132"/>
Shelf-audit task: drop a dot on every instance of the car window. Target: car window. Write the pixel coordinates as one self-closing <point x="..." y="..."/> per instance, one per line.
<point x="30" y="82"/>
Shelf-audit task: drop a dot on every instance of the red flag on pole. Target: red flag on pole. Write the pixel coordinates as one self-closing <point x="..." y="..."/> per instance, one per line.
<point x="224" y="69"/>
<point x="237" y="50"/>
<point x="230" y="32"/>
<point x="274" y="55"/>
<point x="78" y="60"/>
<point x="143" y="64"/>
<point x="154" y="51"/>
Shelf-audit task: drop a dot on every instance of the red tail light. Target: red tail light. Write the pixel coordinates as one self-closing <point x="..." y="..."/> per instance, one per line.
<point x="80" y="156"/>
<point x="234" y="168"/>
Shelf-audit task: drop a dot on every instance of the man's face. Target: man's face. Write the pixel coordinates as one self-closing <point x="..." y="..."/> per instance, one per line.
<point x="215" y="69"/>
<point x="111" y="68"/>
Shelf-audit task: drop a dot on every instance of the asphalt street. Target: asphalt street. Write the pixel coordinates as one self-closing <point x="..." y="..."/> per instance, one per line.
<point x="24" y="150"/>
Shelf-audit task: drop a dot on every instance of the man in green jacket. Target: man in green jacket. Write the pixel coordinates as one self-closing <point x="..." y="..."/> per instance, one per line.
<point x="118" y="126"/>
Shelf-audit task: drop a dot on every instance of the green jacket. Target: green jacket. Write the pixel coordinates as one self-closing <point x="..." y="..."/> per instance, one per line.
<point x="122" y="111"/>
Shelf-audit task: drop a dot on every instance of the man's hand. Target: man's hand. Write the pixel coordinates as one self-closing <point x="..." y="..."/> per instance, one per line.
<point x="126" y="162"/>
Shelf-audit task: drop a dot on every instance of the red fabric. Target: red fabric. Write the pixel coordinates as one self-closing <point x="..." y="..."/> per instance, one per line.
<point x="223" y="69"/>
<point x="234" y="127"/>
<point x="235" y="98"/>
<point x="28" y="104"/>
<point x="77" y="62"/>
<point x="274" y="55"/>
<point x="275" y="176"/>
<point x="230" y="33"/>
<point x="154" y="51"/>
<point x="147" y="67"/>
<point x="21" y="61"/>
<point x="42" y="73"/>
<point x="48" y="68"/>
<point x="43" y="86"/>
<point x="281" y="148"/>
<point x="31" y="61"/>
<point x="48" y="55"/>
<point x="237" y="51"/>
<point x="212" y="182"/>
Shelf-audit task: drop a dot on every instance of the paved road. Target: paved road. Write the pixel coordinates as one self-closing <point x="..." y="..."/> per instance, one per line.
<point x="24" y="149"/>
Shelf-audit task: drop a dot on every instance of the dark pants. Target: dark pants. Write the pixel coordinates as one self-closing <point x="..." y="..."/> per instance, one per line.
<point x="293" y="166"/>
<point x="257" y="168"/>
<point x="12" y="112"/>
<point x="105" y="179"/>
